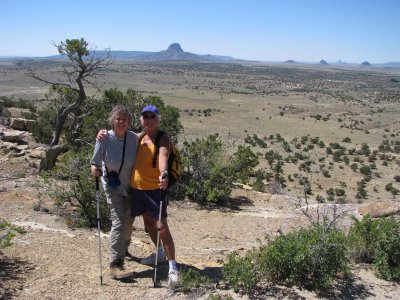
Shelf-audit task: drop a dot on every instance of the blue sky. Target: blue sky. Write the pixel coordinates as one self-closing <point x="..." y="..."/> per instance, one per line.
<point x="270" y="30"/>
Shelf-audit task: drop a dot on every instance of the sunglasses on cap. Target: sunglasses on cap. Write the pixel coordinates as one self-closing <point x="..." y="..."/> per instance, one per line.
<point x="148" y="116"/>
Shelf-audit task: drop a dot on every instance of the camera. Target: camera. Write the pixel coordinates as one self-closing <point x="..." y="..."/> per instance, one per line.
<point x="112" y="179"/>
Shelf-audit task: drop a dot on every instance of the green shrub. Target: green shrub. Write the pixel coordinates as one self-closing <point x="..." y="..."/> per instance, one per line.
<point x="71" y="182"/>
<point x="240" y="272"/>
<point x="220" y="297"/>
<point x="377" y="241"/>
<point x="192" y="278"/>
<point x="346" y="140"/>
<point x="46" y="121"/>
<point x="209" y="174"/>
<point x="308" y="257"/>
<point x="20" y="103"/>
<point x="259" y="185"/>
<point x="10" y="232"/>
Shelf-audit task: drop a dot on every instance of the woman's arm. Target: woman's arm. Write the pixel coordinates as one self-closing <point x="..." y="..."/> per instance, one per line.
<point x="96" y="161"/>
<point x="165" y="145"/>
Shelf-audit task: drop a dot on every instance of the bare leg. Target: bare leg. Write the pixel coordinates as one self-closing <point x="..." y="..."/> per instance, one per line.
<point x="165" y="234"/>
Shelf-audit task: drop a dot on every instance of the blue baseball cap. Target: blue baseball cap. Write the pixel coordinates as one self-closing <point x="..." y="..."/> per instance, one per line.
<point x="150" y="108"/>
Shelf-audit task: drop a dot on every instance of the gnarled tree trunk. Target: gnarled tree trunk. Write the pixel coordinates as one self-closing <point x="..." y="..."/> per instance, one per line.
<point x="49" y="161"/>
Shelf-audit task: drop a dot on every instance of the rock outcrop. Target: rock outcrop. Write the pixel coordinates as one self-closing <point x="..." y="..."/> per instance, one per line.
<point x="381" y="209"/>
<point x="22" y="124"/>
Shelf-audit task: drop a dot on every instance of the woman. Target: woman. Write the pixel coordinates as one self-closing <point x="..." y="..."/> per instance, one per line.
<point x="115" y="155"/>
<point x="149" y="188"/>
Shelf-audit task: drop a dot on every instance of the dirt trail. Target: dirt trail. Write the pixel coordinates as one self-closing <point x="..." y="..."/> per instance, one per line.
<point x="51" y="261"/>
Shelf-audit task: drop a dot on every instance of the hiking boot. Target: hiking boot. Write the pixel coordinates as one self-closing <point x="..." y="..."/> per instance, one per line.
<point x="151" y="259"/>
<point x="173" y="279"/>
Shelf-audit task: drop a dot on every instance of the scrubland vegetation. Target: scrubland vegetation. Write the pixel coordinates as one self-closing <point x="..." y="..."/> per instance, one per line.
<point x="321" y="133"/>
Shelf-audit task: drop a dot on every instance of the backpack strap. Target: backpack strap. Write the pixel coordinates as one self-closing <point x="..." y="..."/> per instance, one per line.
<point x="157" y="145"/>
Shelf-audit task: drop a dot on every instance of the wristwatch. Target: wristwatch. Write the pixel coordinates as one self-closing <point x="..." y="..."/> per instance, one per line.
<point x="164" y="174"/>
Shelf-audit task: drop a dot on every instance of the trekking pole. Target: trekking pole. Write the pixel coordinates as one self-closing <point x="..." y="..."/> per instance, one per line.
<point x="98" y="226"/>
<point x="158" y="243"/>
<point x="158" y="235"/>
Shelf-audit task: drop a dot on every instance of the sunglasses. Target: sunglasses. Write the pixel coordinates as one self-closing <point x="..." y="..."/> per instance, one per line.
<point x="148" y="116"/>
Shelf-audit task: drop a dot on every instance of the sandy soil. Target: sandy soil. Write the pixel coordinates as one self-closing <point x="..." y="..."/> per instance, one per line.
<point x="52" y="261"/>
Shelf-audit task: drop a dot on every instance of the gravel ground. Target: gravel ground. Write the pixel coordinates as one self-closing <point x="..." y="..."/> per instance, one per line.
<point x="52" y="261"/>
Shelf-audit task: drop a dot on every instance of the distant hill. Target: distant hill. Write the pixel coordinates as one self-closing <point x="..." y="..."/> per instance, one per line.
<point x="173" y="53"/>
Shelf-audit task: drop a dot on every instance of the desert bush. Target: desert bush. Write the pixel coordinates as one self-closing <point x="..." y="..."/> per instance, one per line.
<point x="377" y="241"/>
<point x="193" y="279"/>
<point x="365" y="150"/>
<point x="220" y="297"/>
<point x="70" y="183"/>
<point x="308" y="258"/>
<point x="361" y="191"/>
<point x="20" y="103"/>
<point x="242" y="163"/>
<point x="241" y="272"/>
<point x="8" y="232"/>
<point x="325" y="172"/>
<point x="46" y="121"/>
<point x="366" y="170"/>
<point x="346" y="140"/>
<point x="209" y="173"/>
<point x="340" y="192"/>
<point x="390" y="188"/>
<point x="258" y="184"/>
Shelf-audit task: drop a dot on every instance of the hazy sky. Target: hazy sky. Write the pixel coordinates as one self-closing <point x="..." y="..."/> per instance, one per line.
<point x="270" y="30"/>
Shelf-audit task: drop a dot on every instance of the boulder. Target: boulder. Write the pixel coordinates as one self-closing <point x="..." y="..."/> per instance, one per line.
<point x="381" y="209"/>
<point x="17" y="123"/>
<point x="22" y="147"/>
<point x="37" y="153"/>
<point x="30" y="125"/>
<point x="8" y="145"/>
<point x="13" y="135"/>
<point x="22" y="124"/>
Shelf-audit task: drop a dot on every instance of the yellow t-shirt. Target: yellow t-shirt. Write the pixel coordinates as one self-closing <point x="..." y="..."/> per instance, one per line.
<point x="144" y="176"/>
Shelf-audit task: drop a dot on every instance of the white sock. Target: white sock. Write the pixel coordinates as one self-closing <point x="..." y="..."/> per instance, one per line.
<point x="172" y="265"/>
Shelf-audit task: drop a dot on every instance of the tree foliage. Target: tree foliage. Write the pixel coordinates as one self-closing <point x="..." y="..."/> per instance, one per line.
<point x="70" y="103"/>
<point x="209" y="173"/>
<point x="135" y="102"/>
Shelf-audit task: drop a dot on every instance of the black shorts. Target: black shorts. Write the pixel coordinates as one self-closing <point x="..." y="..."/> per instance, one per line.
<point x="149" y="201"/>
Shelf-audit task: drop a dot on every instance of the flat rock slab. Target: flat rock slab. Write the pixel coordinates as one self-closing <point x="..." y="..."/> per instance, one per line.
<point x="381" y="209"/>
